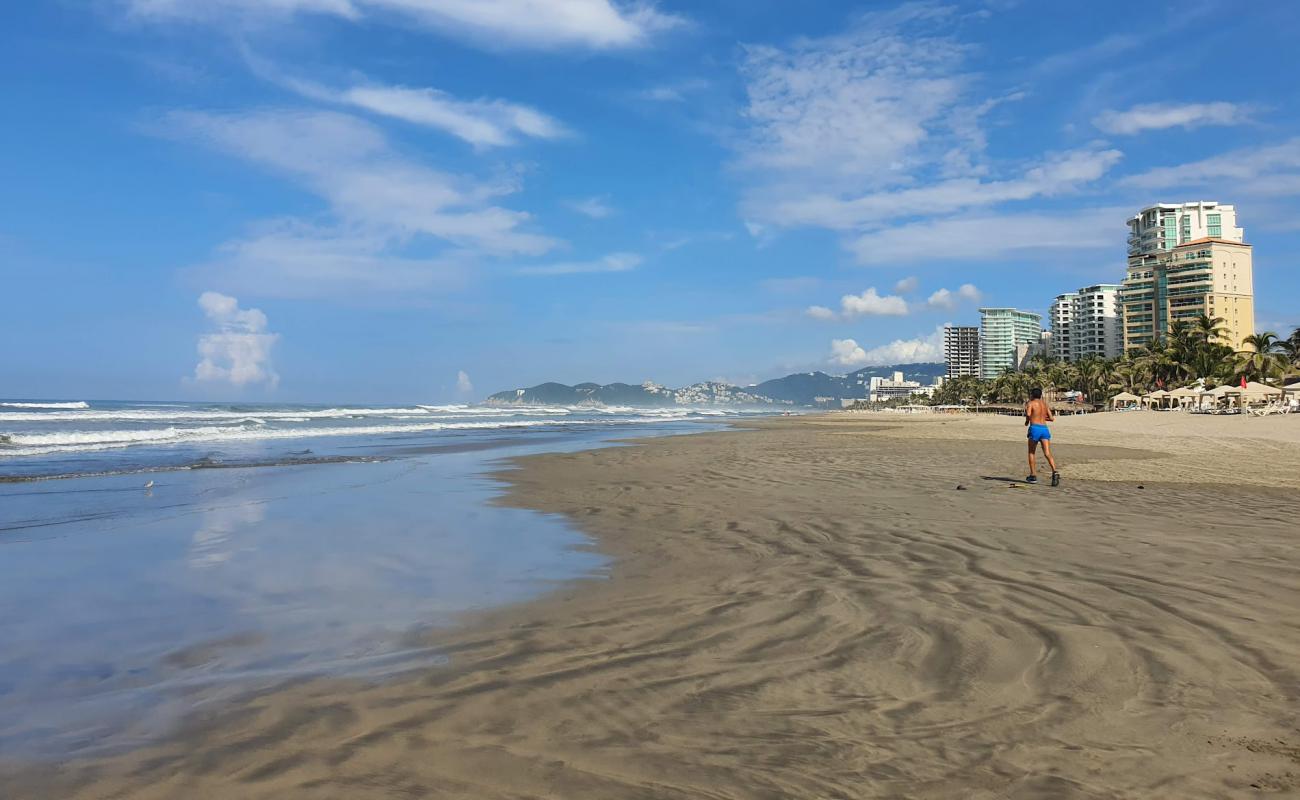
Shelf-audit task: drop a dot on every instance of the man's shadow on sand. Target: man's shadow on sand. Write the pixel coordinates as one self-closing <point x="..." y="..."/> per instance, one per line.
<point x="1003" y="480"/>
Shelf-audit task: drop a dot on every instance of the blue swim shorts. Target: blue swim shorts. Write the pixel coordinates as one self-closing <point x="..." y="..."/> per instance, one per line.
<point x="1039" y="433"/>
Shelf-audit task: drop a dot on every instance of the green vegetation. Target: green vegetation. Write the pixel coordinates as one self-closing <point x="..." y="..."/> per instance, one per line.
<point x="1187" y="353"/>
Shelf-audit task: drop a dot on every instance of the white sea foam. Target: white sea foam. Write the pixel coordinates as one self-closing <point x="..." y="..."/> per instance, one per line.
<point x="78" y="404"/>
<point x="32" y="444"/>
<point x="187" y="414"/>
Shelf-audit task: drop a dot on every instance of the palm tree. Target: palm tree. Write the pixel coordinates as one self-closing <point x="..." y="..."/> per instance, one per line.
<point x="1291" y="348"/>
<point x="1207" y="329"/>
<point x="1262" y="358"/>
<point x="1091" y="379"/>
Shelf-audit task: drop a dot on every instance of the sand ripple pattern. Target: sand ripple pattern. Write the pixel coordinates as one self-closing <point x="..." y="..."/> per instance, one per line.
<point x="799" y="613"/>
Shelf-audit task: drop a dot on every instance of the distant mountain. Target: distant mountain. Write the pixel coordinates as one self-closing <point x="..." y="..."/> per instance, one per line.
<point x="800" y="389"/>
<point x="803" y="388"/>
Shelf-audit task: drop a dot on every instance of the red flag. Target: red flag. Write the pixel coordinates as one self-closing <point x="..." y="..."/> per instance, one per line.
<point x="1243" y="381"/>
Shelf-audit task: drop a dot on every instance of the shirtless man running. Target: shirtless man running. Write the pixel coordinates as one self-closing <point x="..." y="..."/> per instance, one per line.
<point x="1037" y="415"/>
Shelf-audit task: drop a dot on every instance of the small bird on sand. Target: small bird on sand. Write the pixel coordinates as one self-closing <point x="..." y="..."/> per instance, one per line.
<point x="149" y="485"/>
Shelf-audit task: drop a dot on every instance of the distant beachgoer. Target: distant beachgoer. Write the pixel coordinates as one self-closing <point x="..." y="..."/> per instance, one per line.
<point x="1037" y="415"/>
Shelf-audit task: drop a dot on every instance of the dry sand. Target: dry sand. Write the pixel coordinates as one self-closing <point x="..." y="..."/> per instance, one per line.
<point x="813" y="610"/>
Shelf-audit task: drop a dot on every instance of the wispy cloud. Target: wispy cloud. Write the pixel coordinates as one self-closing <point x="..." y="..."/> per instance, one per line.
<point x="1269" y="170"/>
<point x="238" y="350"/>
<point x="614" y="262"/>
<point x="875" y="133"/>
<point x="594" y="207"/>
<point x="292" y="258"/>
<point x="855" y="106"/>
<point x="464" y="386"/>
<point x="483" y="123"/>
<point x="384" y="206"/>
<point x="542" y="24"/>
<point x="987" y="237"/>
<point x="907" y="285"/>
<point x="1058" y="174"/>
<point x="672" y="92"/>
<point x="1159" y="116"/>
<point x="351" y="165"/>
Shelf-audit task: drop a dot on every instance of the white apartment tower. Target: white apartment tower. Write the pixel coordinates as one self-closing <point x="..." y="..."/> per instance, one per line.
<point x="1164" y="226"/>
<point x="1087" y="323"/>
<point x="1060" y="317"/>
<point x="1001" y="331"/>
<point x="961" y="350"/>
<point x="1097" y="327"/>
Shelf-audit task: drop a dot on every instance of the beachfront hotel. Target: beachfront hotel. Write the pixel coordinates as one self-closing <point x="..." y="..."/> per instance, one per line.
<point x="961" y="350"/>
<point x="1164" y="226"/>
<point x="1184" y="261"/>
<point x="1002" y="330"/>
<point x="1087" y="323"/>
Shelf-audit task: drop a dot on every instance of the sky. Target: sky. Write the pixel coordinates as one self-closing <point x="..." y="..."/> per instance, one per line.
<point x="433" y="200"/>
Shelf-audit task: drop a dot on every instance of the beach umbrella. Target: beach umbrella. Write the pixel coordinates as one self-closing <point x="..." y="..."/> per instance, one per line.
<point x="1184" y="394"/>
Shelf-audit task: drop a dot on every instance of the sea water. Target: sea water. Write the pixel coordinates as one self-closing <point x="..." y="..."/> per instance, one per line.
<point x="275" y="542"/>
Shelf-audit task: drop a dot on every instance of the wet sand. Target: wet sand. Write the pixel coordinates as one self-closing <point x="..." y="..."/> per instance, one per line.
<point x="812" y="609"/>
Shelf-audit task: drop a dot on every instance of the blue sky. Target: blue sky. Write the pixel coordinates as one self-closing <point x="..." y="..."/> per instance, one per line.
<point x="380" y="200"/>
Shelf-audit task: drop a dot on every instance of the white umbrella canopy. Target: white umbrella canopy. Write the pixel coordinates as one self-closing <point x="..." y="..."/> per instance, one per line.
<point x="1255" y="390"/>
<point x="1124" y="399"/>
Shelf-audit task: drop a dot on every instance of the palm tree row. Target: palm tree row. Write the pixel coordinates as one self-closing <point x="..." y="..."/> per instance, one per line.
<point x="1187" y="353"/>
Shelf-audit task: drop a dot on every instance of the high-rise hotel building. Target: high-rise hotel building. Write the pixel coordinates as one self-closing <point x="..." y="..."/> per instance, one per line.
<point x="1185" y="260"/>
<point x="1087" y="323"/>
<point x="1001" y="331"/>
<point x="961" y="350"/>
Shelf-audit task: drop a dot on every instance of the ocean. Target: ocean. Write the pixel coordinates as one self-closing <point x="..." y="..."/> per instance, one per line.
<point x="159" y="556"/>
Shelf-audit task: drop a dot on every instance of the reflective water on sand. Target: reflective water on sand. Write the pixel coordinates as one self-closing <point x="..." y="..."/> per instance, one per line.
<point x="121" y="607"/>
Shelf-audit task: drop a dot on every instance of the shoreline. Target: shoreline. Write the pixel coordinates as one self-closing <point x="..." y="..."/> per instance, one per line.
<point x="807" y="608"/>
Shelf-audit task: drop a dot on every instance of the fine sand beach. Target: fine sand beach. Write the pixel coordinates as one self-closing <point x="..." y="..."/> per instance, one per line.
<point x="813" y="608"/>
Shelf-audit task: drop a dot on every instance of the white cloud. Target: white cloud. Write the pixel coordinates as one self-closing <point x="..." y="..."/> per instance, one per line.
<point x="852" y="106"/>
<point x="868" y="304"/>
<point x="848" y="353"/>
<point x="1158" y="116"/>
<point x="673" y="92"/>
<point x="384" y="206"/>
<point x="871" y="303"/>
<point x="906" y="285"/>
<point x="875" y="130"/>
<point x="949" y="300"/>
<point x="596" y="24"/>
<point x="350" y="163"/>
<point x="614" y="262"/>
<point x="1271" y="170"/>
<point x="991" y="236"/>
<point x="238" y="352"/>
<point x="288" y="258"/>
<point x="594" y="207"/>
<point x="464" y="386"/>
<point x="483" y="123"/>
<point x="214" y="10"/>
<point x="1057" y="174"/>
